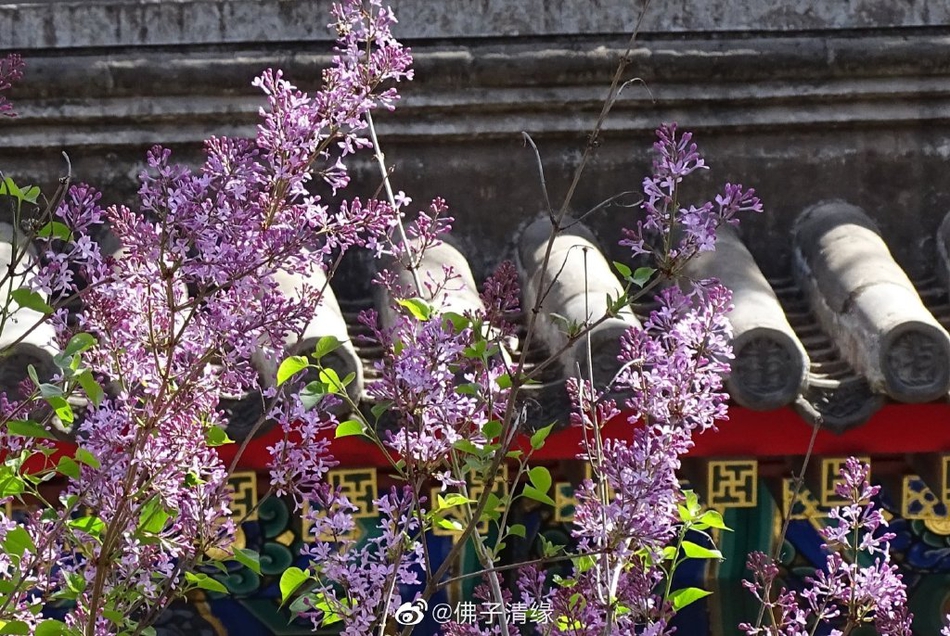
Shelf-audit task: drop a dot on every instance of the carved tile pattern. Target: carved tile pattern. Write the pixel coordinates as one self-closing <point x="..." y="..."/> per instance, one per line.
<point x="915" y="360"/>
<point x="806" y="507"/>
<point x="763" y="366"/>
<point x="243" y="486"/>
<point x="919" y="502"/>
<point x="830" y="469"/>
<point x="732" y="484"/>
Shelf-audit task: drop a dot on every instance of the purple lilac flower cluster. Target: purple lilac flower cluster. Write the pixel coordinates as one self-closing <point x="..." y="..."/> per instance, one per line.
<point x="183" y="314"/>
<point x="672" y="370"/>
<point x="844" y="595"/>
<point x="11" y="70"/>
<point x="694" y="228"/>
<point x="361" y="586"/>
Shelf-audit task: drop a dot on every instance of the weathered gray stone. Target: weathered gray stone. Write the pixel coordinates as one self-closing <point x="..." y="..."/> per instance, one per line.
<point x="574" y="283"/>
<point x="81" y="23"/>
<point x="26" y="338"/>
<point x="867" y="303"/>
<point x="770" y="367"/>
<point x="840" y="404"/>
<point x="840" y="113"/>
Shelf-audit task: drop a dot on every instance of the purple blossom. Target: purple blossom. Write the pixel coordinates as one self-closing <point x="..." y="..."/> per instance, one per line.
<point x="11" y="70"/>
<point x="674" y="365"/>
<point x="693" y="229"/>
<point x="357" y="584"/>
<point x="843" y="594"/>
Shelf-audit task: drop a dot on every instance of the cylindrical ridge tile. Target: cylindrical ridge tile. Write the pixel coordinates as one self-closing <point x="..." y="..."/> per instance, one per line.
<point x="574" y="284"/>
<point x="868" y="305"/>
<point x="770" y="367"/>
<point x="459" y="295"/>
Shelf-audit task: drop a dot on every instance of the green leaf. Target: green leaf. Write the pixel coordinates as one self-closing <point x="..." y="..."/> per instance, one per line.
<point x="290" y="367"/>
<point x="48" y="390"/>
<point x="468" y="388"/>
<point x="454" y="499"/>
<point x="249" y="559"/>
<point x="61" y="407"/>
<point x="217" y="436"/>
<point x="625" y="271"/>
<point x="17" y="541"/>
<point x="538" y="437"/>
<point x="67" y="466"/>
<point x="420" y="309"/>
<point x="205" y="582"/>
<point x="115" y="616"/>
<point x="79" y="343"/>
<point x="476" y="350"/>
<point x="331" y="379"/>
<point x="85" y="457"/>
<point x="541" y="478"/>
<point x="493" y="508"/>
<point x="533" y="493"/>
<point x="348" y="428"/>
<point x="642" y="275"/>
<point x="584" y="563"/>
<point x="380" y="407"/>
<point x="696" y="551"/>
<point x="11" y="483"/>
<point x="29" y="299"/>
<point x="492" y="429"/>
<point x="153" y="517"/>
<point x="55" y="229"/>
<point x="449" y="524"/>
<point x="713" y="519"/>
<point x="312" y="394"/>
<point x="31" y="194"/>
<point x="459" y="322"/>
<point x="325" y="345"/>
<point x="687" y="595"/>
<point x="504" y="381"/>
<point x="14" y="627"/>
<point x="466" y="446"/>
<point x="92" y="388"/>
<point x="50" y="627"/>
<point x="290" y="580"/>
<point x="27" y="428"/>
<point x="93" y="526"/>
<point x="518" y="530"/>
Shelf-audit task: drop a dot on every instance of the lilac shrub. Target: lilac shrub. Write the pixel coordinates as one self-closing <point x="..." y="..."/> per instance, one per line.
<point x="182" y="316"/>
<point x="632" y="517"/>
<point x="631" y="520"/>
<point x="843" y="596"/>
